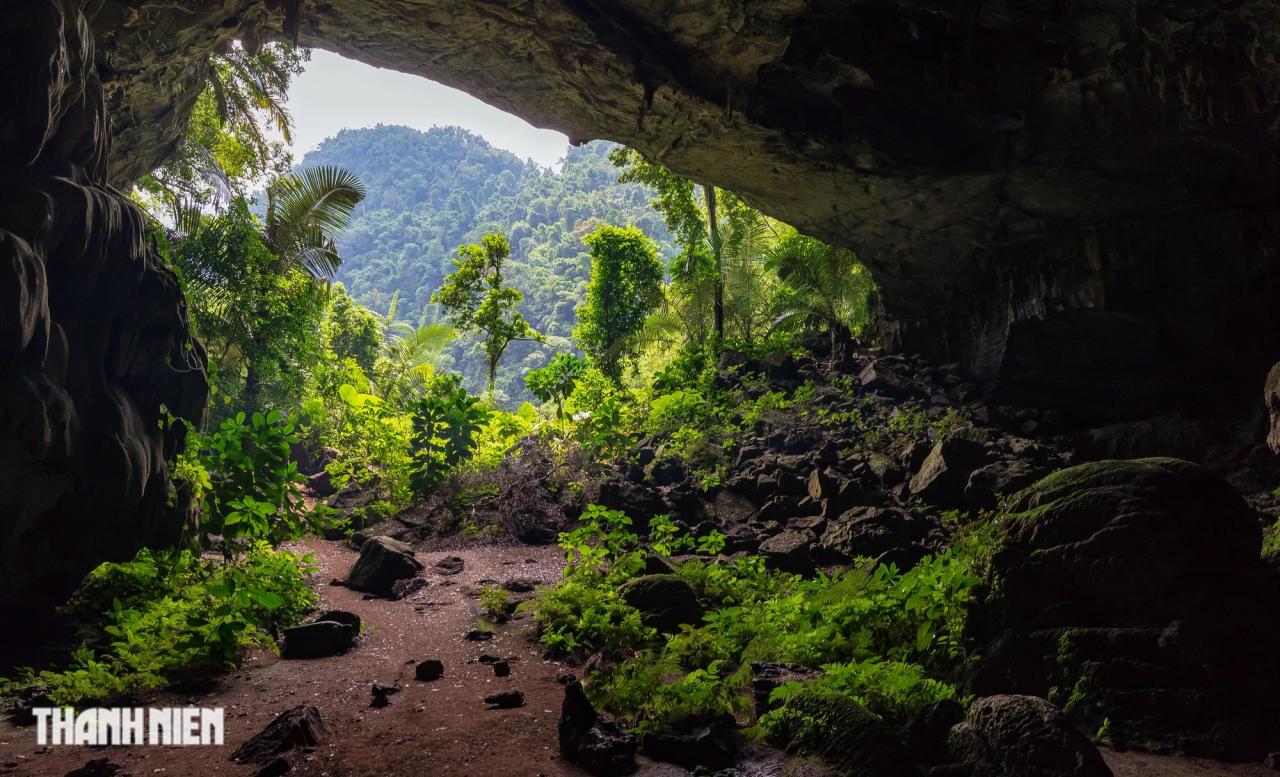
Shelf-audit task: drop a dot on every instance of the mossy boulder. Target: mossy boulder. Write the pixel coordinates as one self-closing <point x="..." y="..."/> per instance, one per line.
<point x="1133" y="594"/>
<point x="664" y="601"/>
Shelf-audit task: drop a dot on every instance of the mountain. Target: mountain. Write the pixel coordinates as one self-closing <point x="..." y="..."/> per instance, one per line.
<point x="430" y="191"/>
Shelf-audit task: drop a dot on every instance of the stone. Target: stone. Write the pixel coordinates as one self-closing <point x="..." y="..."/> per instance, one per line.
<point x="730" y="508"/>
<point x="275" y="768"/>
<point x="505" y="700"/>
<point x="392" y="529"/>
<point x="1271" y="399"/>
<point x="709" y="747"/>
<point x="666" y="471"/>
<point x="501" y="668"/>
<point x="95" y="767"/>
<point x="866" y="531"/>
<point x="302" y="726"/>
<point x="330" y="634"/>
<point x="382" y="562"/>
<point x="942" y="477"/>
<point x="1022" y="736"/>
<point x="638" y="501"/>
<point x="586" y="739"/>
<point x="382" y="694"/>
<point x="767" y="676"/>
<point x="520" y="585"/>
<point x="789" y="551"/>
<point x="449" y="565"/>
<point x="876" y="379"/>
<point x="844" y="734"/>
<point x="429" y="670"/>
<point x="988" y="483"/>
<point x="664" y="601"/>
<point x="1139" y="586"/>
<point x="403" y="589"/>
<point x="478" y="635"/>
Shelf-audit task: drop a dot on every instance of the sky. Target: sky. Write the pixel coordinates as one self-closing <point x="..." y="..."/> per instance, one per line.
<point x="336" y="93"/>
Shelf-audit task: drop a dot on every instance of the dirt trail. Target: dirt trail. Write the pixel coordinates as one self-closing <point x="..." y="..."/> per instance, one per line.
<point x="429" y="729"/>
<point x="436" y="728"/>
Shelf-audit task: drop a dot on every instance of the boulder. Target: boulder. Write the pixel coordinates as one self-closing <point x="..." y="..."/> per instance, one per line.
<point x="731" y="507"/>
<point x="988" y="483"/>
<point x="664" y="601"/>
<point x="789" y="551"/>
<point x="431" y="669"/>
<point x="450" y="565"/>
<point x="666" y="471"/>
<point x="843" y="733"/>
<point x="942" y="477"/>
<point x="382" y="562"/>
<point x="1022" y="736"/>
<point x="302" y="726"/>
<point x="331" y="634"/>
<point x="505" y="700"/>
<point x="1271" y="397"/>
<point x="595" y="744"/>
<point x="637" y="500"/>
<point x="867" y="531"/>
<point x="1133" y="593"/>
<point x="711" y="747"/>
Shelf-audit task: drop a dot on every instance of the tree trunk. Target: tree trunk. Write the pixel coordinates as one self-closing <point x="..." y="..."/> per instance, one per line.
<point x="709" y="192"/>
<point x="252" y="390"/>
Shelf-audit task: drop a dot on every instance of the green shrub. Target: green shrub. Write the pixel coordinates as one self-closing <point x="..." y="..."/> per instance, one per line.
<point x="445" y="424"/>
<point x="163" y="617"/>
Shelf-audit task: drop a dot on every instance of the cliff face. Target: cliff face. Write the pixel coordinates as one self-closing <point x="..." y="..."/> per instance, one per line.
<point x="93" y="334"/>
<point x="1073" y="199"/>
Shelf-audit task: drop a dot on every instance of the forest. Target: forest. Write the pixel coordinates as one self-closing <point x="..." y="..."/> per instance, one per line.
<point x="773" y="533"/>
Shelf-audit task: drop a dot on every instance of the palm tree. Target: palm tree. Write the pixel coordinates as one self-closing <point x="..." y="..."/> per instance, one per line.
<point x="409" y="358"/>
<point x="822" y="286"/>
<point x="306" y="211"/>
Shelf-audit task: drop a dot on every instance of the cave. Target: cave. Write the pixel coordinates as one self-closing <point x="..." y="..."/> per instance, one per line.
<point x="1075" y="202"/>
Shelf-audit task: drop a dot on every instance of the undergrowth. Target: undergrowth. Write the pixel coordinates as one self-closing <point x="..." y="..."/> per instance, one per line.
<point x="889" y="638"/>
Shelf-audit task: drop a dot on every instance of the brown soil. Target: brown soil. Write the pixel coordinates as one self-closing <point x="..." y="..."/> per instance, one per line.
<point x="435" y="728"/>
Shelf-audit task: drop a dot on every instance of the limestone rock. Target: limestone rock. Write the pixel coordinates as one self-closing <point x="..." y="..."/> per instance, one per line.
<point x="382" y="562"/>
<point x="1022" y="736"/>
<point x="664" y="601"/>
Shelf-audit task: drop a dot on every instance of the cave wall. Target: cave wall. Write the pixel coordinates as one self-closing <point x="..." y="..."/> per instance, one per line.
<point x="93" y="329"/>
<point x="993" y="163"/>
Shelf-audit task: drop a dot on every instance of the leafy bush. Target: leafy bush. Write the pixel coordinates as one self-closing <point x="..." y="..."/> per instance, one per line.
<point x="371" y="436"/>
<point x="892" y="690"/>
<point x="163" y="617"/>
<point x="1271" y="539"/>
<point x="445" y="423"/>
<point x="556" y="381"/>
<point x="245" y="484"/>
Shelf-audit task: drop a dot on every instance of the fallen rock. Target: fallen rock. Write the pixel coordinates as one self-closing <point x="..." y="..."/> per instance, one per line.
<point x="942" y="477"/>
<point x="789" y="551"/>
<point x="638" y="501"/>
<point x="1022" y="736"/>
<point x="711" y="747"/>
<point x="382" y="694"/>
<point x="302" y="726"/>
<point x="276" y="768"/>
<point x="403" y="589"/>
<point x="431" y="669"/>
<point x="1135" y="591"/>
<point x="382" y="562"/>
<point x="766" y="676"/>
<point x="332" y="633"/>
<point x="505" y="700"/>
<point x="478" y="635"/>
<point x="868" y="531"/>
<point x="988" y="483"/>
<point x="450" y="565"/>
<point x="664" y="601"/>
<point x="501" y="668"/>
<point x="586" y="739"/>
<point x="96" y="767"/>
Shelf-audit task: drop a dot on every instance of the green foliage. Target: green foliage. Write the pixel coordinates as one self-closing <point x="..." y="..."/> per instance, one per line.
<point x="823" y="286"/>
<point x="625" y="287"/>
<point x="445" y="423"/>
<point x="1271" y="539"/>
<point x="886" y="637"/>
<point x="892" y="690"/>
<point x="351" y="331"/>
<point x="246" y="484"/>
<point x="478" y="301"/>
<point x="494" y="600"/>
<point x="556" y="381"/>
<point x="164" y="617"/>
<point x="372" y="437"/>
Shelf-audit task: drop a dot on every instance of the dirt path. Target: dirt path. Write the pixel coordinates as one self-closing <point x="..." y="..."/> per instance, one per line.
<point x="429" y="729"/>
<point x="437" y="728"/>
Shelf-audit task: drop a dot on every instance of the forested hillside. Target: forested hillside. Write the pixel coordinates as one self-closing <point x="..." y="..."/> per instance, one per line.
<point x="430" y="191"/>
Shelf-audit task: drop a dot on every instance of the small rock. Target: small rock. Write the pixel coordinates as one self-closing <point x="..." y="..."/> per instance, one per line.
<point x="302" y="726"/>
<point x="276" y="768"/>
<point x="402" y="589"/>
<point x="478" y="635"/>
<point x="505" y="700"/>
<point x="591" y="742"/>
<point x="382" y="694"/>
<point x="97" y="767"/>
<point x="520" y="585"/>
<point x="450" y="565"/>
<point x="431" y="669"/>
<point x="664" y="601"/>
<point x="501" y="668"/>
<point x="322" y="638"/>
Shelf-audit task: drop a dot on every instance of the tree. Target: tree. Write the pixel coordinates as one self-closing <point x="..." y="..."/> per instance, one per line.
<point x="409" y="359"/>
<point x="556" y="381"/>
<point x="242" y="268"/>
<point x="824" y="286"/>
<point x="477" y="300"/>
<point x="352" y="331"/>
<point x="625" y="287"/>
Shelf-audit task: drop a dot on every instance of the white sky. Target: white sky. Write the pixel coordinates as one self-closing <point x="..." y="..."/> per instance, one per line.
<point x="337" y="93"/>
